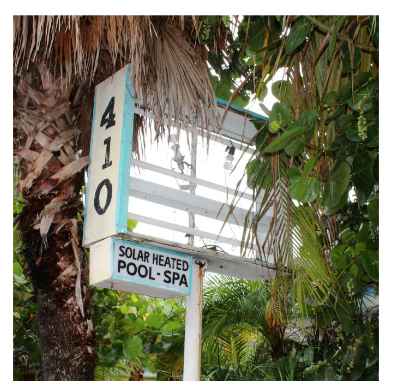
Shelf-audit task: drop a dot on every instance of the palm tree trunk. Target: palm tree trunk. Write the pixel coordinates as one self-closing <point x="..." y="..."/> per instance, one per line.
<point x="48" y="143"/>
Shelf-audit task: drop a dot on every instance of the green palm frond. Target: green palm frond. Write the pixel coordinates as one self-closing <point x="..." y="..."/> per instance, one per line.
<point x="229" y="302"/>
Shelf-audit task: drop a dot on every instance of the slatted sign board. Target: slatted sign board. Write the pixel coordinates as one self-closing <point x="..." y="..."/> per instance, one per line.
<point x="137" y="212"/>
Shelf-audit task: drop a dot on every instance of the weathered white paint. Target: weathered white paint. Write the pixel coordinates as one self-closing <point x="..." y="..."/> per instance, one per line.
<point x="193" y="328"/>
<point x="110" y="159"/>
<point x="193" y="319"/>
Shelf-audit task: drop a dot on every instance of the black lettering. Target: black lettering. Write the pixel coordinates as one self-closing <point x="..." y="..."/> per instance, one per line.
<point x="176" y="277"/>
<point x="150" y="274"/>
<point x="140" y="255"/>
<point x="108" y="116"/>
<point x="129" y="265"/>
<point x="121" y="264"/>
<point x="185" y="265"/>
<point x="183" y="280"/>
<point x="129" y="252"/>
<point x="142" y="271"/>
<point x="107" y="162"/>
<point x="101" y="210"/>
<point x="146" y="257"/>
<point x="121" y="249"/>
<point x="167" y="262"/>
<point x="161" y="260"/>
<point x="167" y="276"/>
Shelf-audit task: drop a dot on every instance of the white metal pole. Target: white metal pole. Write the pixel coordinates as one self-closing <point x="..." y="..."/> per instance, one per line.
<point x="193" y="328"/>
<point x="193" y="322"/>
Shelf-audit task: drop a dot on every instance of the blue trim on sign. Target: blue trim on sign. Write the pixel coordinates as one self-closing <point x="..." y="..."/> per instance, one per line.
<point x="86" y="195"/>
<point x="130" y="279"/>
<point x="112" y="258"/>
<point x="126" y="138"/>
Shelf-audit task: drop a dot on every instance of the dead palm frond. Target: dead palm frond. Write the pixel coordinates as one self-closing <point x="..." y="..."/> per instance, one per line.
<point x="169" y="71"/>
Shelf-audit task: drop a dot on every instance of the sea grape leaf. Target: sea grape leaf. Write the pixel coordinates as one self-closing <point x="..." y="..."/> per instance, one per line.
<point x="280" y="117"/>
<point x="284" y="139"/>
<point x="304" y="189"/>
<point x="132" y="347"/>
<point x="337" y="185"/>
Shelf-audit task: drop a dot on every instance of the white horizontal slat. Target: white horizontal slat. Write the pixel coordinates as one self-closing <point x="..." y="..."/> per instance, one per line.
<point x="199" y="205"/>
<point x="193" y="180"/>
<point x="183" y="229"/>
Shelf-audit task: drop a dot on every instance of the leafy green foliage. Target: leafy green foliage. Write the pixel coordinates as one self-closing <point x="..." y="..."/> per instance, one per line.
<point x="280" y="117"/>
<point x="135" y="333"/>
<point x="297" y="35"/>
<point x="284" y="139"/>
<point x="27" y="355"/>
<point x="337" y="185"/>
<point x="317" y="163"/>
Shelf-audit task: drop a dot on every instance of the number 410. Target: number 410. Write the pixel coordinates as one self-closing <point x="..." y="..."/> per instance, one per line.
<point x="107" y="120"/>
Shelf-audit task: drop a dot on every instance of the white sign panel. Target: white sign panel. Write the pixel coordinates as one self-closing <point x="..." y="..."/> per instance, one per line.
<point x="110" y="154"/>
<point x="136" y="267"/>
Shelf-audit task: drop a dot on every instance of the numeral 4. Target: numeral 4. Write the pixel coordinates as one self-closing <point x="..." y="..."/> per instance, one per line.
<point x="108" y="117"/>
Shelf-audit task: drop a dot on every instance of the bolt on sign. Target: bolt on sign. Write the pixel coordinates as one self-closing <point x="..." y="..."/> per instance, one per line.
<point x="130" y="266"/>
<point x="117" y="263"/>
<point x="110" y="158"/>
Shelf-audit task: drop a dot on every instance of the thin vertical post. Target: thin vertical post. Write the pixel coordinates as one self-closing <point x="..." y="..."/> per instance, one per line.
<point x="193" y="322"/>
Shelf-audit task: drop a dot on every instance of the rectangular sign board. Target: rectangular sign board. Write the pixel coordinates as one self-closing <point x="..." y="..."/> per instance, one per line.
<point x="106" y="202"/>
<point x="131" y="266"/>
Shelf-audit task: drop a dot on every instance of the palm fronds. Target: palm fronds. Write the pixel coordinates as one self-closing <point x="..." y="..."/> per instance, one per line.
<point x="170" y="75"/>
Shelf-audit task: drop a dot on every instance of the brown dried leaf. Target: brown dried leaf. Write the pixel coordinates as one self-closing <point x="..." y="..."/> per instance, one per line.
<point x="72" y="168"/>
<point x="28" y="155"/>
<point x="38" y="166"/>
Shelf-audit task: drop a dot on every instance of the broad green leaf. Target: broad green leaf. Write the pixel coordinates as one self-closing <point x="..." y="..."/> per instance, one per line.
<point x="284" y="139"/>
<point x="154" y="320"/>
<point x="282" y="90"/>
<point x="369" y="262"/>
<point x="18" y="269"/>
<point x="352" y="134"/>
<point x="309" y="165"/>
<point x="126" y="309"/>
<point x="337" y="185"/>
<point x="172" y="326"/>
<point x="280" y="117"/>
<point x="258" y="173"/>
<point x="261" y="90"/>
<point x="363" y="173"/>
<point x="296" y="146"/>
<point x="132" y="347"/>
<point x="131" y="224"/>
<point x="304" y="189"/>
<point x="297" y="36"/>
<point x="308" y="119"/>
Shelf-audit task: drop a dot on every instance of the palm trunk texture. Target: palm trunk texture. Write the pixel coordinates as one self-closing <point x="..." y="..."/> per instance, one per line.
<point x="49" y="146"/>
